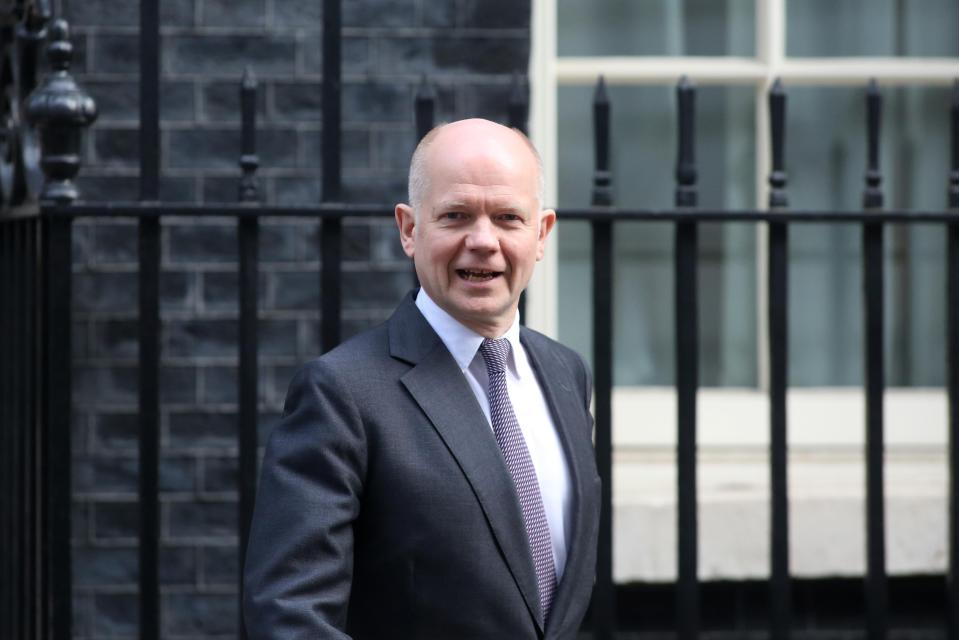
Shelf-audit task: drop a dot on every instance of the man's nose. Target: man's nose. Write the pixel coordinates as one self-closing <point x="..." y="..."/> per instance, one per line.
<point x="482" y="236"/>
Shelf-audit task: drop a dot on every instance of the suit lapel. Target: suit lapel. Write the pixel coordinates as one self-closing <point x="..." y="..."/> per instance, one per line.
<point x="565" y="404"/>
<point x="440" y="389"/>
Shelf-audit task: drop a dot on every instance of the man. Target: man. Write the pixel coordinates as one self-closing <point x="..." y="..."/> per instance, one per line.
<point x="434" y="476"/>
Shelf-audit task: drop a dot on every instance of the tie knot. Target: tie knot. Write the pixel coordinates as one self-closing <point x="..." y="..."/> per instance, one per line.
<point x="495" y="353"/>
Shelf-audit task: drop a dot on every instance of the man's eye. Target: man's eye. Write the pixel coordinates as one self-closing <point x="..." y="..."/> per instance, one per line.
<point x="453" y="215"/>
<point x="511" y="217"/>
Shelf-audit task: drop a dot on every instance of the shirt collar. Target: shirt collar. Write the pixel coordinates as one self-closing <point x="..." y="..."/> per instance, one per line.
<point x="462" y="342"/>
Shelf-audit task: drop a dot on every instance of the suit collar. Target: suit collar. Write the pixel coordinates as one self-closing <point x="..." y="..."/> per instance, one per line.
<point x="438" y="386"/>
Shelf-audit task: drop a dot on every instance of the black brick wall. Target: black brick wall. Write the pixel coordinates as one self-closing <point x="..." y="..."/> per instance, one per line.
<point x="470" y="50"/>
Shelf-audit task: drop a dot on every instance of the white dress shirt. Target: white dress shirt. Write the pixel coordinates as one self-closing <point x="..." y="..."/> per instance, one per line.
<point x="529" y="405"/>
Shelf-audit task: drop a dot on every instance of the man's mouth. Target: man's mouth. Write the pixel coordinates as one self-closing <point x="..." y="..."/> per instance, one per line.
<point x="477" y="275"/>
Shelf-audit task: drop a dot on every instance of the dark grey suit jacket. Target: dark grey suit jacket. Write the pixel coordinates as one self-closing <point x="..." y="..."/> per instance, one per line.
<point x="385" y="509"/>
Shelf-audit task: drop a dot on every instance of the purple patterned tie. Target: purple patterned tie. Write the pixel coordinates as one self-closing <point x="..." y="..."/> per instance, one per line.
<point x="520" y="465"/>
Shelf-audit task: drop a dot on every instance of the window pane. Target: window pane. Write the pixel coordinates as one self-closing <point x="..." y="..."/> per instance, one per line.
<point x="824" y="28"/>
<point x="826" y="162"/>
<point x="656" y="27"/>
<point x="643" y="159"/>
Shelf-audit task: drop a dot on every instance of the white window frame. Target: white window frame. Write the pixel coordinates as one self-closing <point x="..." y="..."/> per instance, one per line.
<point x="548" y="72"/>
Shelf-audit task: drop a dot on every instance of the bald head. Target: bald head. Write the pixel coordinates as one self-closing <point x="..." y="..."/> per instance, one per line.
<point x="473" y="132"/>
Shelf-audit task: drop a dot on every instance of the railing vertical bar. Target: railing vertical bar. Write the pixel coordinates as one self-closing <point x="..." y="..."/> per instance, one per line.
<point x="517" y="116"/>
<point x="872" y="241"/>
<point x="149" y="99"/>
<point x="149" y="328"/>
<point x="604" y="604"/>
<point x="248" y="237"/>
<point x="32" y="421"/>
<point x="331" y="228"/>
<point x="149" y="310"/>
<point x="7" y="517"/>
<point x="687" y="368"/>
<point x="778" y="295"/>
<point x="18" y="352"/>
<point x="56" y="432"/>
<point x="249" y="272"/>
<point x="952" y="364"/>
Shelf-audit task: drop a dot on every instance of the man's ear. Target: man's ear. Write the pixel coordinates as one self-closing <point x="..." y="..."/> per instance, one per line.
<point x="406" y="222"/>
<point x="547" y="218"/>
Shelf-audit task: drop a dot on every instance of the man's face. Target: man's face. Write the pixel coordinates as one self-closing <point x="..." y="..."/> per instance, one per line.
<point x="478" y="231"/>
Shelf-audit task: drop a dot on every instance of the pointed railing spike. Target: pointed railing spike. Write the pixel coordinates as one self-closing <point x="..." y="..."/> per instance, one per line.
<point x="954" y="169"/>
<point x="424" y="107"/>
<point x="777" y="125"/>
<point x="602" y="178"/>
<point x="249" y="161"/>
<point x="872" y="196"/>
<point x="517" y="111"/>
<point x="686" y="195"/>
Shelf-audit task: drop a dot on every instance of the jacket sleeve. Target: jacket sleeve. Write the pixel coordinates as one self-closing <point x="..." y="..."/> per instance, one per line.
<point x="299" y="561"/>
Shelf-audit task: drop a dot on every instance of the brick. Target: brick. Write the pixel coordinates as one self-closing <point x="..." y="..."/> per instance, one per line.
<point x="490" y="101"/>
<point x="81" y="242"/>
<point x="79" y="347"/>
<point x="453" y="54"/>
<point x="266" y="421"/>
<point x="104" y="291"/>
<point x="112" y="520"/>
<point x="177" y="474"/>
<point x="385" y="243"/>
<point x="225" y="55"/>
<point x="115" y="614"/>
<point x="196" y="337"/>
<point x="377" y="188"/>
<point x="79" y="523"/>
<point x="199" y="614"/>
<point x="495" y="14"/>
<point x="220" y="385"/>
<point x="376" y="101"/>
<point x="356" y="55"/>
<point x="379" y="13"/>
<point x="202" y="519"/>
<point x="176" y="13"/>
<point x="278" y="337"/>
<point x="355" y="243"/>
<point x="105" y="567"/>
<point x="116" y="431"/>
<point x="202" y="243"/>
<point x="383" y="289"/>
<point x="177" y="291"/>
<point x="120" y="100"/>
<point x="127" y="188"/>
<point x="220" y="148"/>
<point x="104" y="385"/>
<point x="296" y="290"/>
<point x="355" y="147"/>
<point x="437" y="13"/>
<point x="293" y="191"/>
<point x="236" y="13"/>
<point x="80" y="61"/>
<point x="102" y="13"/>
<point x="202" y="429"/>
<point x="177" y="565"/>
<point x="113" y="475"/>
<point x="298" y="14"/>
<point x="82" y="614"/>
<point x="219" y="565"/>
<point x="177" y="384"/>
<point x="221" y="102"/>
<point x="117" y="147"/>
<point x="216" y="189"/>
<point x="117" y="53"/>
<point x="220" y="291"/>
<point x="394" y="148"/>
<point x="297" y="100"/>
<point x="220" y="475"/>
<point x="278" y="242"/>
<point x="115" y="242"/>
